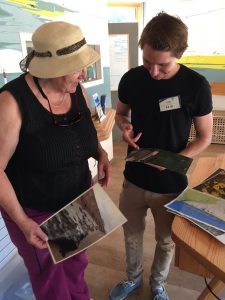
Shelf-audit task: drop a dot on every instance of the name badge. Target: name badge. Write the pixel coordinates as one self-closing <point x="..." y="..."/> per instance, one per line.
<point x="169" y="103"/>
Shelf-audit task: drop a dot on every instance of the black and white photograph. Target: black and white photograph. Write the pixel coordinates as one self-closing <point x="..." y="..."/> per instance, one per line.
<point x="81" y="223"/>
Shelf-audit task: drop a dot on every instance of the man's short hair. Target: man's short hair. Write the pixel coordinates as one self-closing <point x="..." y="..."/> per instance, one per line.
<point x="165" y="33"/>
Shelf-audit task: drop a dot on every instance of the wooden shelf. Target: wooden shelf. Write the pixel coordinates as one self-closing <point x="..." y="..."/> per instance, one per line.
<point x="104" y="128"/>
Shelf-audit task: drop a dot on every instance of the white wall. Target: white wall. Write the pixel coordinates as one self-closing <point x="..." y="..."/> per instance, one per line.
<point x="91" y="16"/>
<point x="206" y="23"/>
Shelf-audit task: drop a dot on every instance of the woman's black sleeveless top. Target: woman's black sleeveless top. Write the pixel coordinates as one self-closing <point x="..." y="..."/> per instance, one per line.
<point x="49" y="167"/>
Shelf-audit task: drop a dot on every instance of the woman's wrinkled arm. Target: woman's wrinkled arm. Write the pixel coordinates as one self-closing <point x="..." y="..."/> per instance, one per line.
<point x="10" y="124"/>
<point x="104" y="168"/>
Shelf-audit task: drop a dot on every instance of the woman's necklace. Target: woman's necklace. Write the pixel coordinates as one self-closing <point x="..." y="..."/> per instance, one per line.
<point x="44" y="95"/>
<point x="59" y="103"/>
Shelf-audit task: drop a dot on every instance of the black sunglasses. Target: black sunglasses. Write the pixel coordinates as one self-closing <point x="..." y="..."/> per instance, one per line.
<point x="66" y="122"/>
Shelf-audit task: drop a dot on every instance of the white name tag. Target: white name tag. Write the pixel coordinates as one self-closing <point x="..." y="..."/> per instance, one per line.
<point x="169" y="103"/>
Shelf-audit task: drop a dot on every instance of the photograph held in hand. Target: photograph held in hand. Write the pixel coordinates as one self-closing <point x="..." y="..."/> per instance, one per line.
<point x="169" y="160"/>
<point x="80" y="224"/>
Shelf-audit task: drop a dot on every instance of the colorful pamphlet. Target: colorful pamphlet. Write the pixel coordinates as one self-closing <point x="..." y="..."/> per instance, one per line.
<point x="204" y="205"/>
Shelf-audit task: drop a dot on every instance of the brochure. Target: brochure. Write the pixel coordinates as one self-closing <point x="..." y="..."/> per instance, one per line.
<point x="214" y="184"/>
<point x="204" y="205"/>
<point x="201" y="207"/>
<point x="82" y="223"/>
<point x="217" y="234"/>
<point x="169" y="160"/>
<point x="98" y="107"/>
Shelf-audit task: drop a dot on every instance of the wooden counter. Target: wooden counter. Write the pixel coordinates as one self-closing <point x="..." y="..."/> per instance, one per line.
<point x="104" y="128"/>
<point x="198" y="252"/>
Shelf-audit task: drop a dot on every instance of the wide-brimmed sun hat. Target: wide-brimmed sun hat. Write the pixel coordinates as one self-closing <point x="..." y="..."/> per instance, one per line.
<point x="59" y="49"/>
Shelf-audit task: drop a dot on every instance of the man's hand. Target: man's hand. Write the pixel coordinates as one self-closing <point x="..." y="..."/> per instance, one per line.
<point x="128" y="135"/>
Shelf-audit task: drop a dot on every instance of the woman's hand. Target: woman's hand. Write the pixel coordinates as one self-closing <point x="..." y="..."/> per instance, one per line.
<point x="104" y="168"/>
<point x="33" y="233"/>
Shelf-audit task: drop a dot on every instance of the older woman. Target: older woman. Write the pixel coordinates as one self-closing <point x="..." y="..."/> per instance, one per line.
<point x="46" y="137"/>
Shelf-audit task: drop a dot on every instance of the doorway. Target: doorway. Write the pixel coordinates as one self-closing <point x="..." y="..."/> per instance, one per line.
<point x="123" y="56"/>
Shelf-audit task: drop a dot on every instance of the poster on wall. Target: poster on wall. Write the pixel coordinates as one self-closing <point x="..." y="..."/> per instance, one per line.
<point x="119" y="58"/>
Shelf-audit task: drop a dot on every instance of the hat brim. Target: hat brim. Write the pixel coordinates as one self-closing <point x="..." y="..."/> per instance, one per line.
<point x="53" y="67"/>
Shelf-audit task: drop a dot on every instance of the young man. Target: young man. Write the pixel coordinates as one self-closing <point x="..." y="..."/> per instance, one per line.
<point x="164" y="98"/>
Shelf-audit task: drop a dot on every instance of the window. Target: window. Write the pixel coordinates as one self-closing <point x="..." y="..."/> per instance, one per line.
<point x="26" y="43"/>
<point x="94" y="72"/>
<point x="124" y="12"/>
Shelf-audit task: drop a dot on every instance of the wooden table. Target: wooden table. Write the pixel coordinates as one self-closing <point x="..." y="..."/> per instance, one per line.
<point x="201" y="254"/>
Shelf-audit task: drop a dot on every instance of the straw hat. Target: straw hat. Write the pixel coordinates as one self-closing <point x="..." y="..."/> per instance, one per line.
<point x="59" y="49"/>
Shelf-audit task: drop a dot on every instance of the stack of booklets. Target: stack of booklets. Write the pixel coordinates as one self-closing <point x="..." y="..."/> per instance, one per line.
<point x="204" y="205"/>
